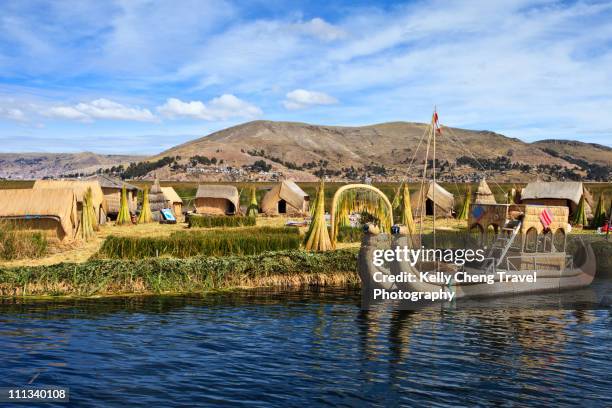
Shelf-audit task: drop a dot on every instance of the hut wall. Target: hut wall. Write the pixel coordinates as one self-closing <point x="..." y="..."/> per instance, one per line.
<point x="214" y="206"/>
<point x="49" y="227"/>
<point x="113" y="200"/>
<point x="178" y="210"/>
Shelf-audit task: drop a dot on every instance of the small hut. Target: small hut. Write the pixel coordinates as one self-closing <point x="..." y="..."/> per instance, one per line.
<point x="111" y="187"/>
<point x="484" y="195"/>
<point x="79" y="187"/>
<point x="214" y="199"/>
<point x="558" y="193"/>
<point x="51" y="212"/>
<point x="285" y="197"/>
<point x="444" y="201"/>
<point x="173" y="201"/>
<point x="157" y="200"/>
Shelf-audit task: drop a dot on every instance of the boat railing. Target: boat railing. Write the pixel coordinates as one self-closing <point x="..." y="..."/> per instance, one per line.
<point x="535" y="262"/>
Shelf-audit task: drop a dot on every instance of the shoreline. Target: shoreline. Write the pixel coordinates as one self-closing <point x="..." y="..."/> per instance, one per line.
<point x="174" y="276"/>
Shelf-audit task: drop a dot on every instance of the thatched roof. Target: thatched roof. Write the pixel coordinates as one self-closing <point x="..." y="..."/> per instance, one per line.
<point x="79" y="187"/>
<point x="436" y="193"/>
<point x="60" y="203"/>
<point x="112" y="182"/>
<point x="157" y="199"/>
<point x="171" y="195"/>
<point x="563" y="190"/>
<point x="285" y="190"/>
<point x="219" y="191"/>
<point x="484" y="195"/>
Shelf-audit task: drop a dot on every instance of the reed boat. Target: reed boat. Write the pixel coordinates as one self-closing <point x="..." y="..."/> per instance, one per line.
<point x="524" y="250"/>
<point x="513" y="265"/>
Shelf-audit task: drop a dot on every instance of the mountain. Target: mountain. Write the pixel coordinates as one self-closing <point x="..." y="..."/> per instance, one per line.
<point x="382" y="151"/>
<point x="39" y="165"/>
<point x="572" y="150"/>
<point x="266" y="150"/>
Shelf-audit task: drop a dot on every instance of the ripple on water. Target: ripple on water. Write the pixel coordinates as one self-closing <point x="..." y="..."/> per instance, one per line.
<point x="268" y="348"/>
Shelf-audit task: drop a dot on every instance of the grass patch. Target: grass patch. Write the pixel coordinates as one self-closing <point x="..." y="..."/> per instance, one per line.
<point x="170" y="275"/>
<point x="200" y="221"/>
<point x="16" y="244"/>
<point x="187" y="244"/>
<point x="346" y="233"/>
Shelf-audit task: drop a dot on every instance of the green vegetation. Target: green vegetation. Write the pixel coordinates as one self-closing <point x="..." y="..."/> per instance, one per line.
<point x="346" y="233"/>
<point x="188" y="244"/>
<point x="20" y="244"/>
<point x="202" y="221"/>
<point x="143" y="168"/>
<point x="192" y="275"/>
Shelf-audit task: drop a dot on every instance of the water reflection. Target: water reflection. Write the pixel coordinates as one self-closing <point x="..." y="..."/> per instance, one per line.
<point x="267" y="347"/>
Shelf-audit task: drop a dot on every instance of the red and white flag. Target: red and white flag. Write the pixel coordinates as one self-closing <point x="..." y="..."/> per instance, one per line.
<point x="546" y="217"/>
<point x="436" y="123"/>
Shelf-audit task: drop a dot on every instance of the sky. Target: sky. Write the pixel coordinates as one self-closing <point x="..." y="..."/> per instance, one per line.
<point x="140" y="76"/>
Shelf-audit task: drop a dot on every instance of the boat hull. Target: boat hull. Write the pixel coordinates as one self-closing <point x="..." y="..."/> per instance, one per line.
<point x="565" y="278"/>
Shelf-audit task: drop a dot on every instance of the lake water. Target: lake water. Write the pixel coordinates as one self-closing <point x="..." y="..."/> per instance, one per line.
<point x="307" y="348"/>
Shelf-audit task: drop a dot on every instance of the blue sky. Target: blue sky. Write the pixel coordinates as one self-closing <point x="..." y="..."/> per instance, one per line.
<point x="138" y="76"/>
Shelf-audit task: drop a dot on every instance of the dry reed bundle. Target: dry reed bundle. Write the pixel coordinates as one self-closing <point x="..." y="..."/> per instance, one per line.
<point x="253" y="208"/>
<point x="579" y="217"/>
<point x="599" y="216"/>
<point x="146" y="216"/>
<point x="406" y="209"/>
<point x="465" y="208"/>
<point x="88" y="216"/>
<point x="124" y="218"/>
<point x="317" y="237"/>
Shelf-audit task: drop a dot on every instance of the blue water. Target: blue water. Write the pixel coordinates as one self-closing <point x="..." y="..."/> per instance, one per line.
<point x="307" y="348"/>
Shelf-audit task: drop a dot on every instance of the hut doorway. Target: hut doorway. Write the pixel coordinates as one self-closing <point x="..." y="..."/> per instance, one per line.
<point x="429" y="209"/>
<point x="231" y="208"/>
<point x="282" y="206"/>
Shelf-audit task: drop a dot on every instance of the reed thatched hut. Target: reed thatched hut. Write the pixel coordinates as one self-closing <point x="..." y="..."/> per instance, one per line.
<point x="558" y="193"/>
<point x="484" y="195"/>
<point x="157" y="200"/>
<point x="111" y="187"/>
<point x="173" y="201"/>
<point x="444" y="201"/>
<point x="285" y="197"/>
<point x="214" y="199"/>
<point x="52" y="212"/>
<point x="79" y="187"/>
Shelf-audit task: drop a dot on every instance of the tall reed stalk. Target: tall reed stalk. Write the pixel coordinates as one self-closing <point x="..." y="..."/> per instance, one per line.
<point x="465" y="208"/>
<point x="406" y="209"/>
<point x="579" y="217"/>
<point x="253" y="208"/>
<point x="124" y="217"/>
<point x="87" y="217"/>
<point x="317" y="238"/>
<point x="599" y="216"/>
<point x="146" y="216"/>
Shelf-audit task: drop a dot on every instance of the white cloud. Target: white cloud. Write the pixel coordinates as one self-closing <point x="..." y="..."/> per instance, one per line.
<point x="222" y="108"/>
<point x="100" y="109"/>
<point x="317" y="27"/>
<point x="301" y="98"/>
<point x="12" y="114"/>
